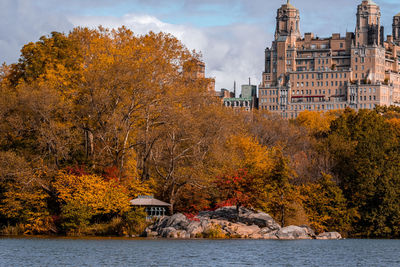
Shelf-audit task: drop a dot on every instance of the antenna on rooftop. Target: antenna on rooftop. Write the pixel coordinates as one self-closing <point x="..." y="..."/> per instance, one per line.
<point x="249" y="81"/>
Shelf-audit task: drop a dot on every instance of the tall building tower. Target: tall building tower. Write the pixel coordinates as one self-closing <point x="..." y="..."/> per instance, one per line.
<point x="287" y="21"/>
<point x="368" y="29"/>
<point x="396" y="28"/>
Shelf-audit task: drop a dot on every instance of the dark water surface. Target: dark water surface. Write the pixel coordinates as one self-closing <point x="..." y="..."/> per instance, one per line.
<point x="120" y="252"/>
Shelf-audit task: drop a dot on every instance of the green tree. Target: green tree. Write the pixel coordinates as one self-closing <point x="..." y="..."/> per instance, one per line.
<point x="282" y="193"/>
<point x="366" y="151"/>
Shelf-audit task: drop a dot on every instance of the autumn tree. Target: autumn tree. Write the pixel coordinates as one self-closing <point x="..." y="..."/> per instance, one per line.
<point x="326" y="206"/>
<point x="243" y="178"/>
<point x="82" y="197"/>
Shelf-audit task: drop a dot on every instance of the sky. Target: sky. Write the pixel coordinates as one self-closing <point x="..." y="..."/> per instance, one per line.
<point x="231" y="34"/>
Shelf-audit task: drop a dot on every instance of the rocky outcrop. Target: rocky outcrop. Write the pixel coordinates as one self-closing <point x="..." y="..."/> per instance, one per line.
<point x="230" y="223"/>
<point x="329" y="235"/>
<point x="293" y="232"/>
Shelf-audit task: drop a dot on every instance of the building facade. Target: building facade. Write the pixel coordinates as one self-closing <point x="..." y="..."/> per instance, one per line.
<point x="247" y="101"/>
<point x="359" y="70"/>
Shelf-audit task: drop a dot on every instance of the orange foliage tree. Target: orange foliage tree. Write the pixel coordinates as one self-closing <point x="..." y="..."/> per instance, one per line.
<point x="83" y="197"/>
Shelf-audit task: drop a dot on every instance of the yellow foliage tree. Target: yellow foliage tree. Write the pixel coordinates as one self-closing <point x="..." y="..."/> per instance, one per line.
<point x="26" y="206"/>
<point x="85" y="196"/>
<point x="317" y="121"/>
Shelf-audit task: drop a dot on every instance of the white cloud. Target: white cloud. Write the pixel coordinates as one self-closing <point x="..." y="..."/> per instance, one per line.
<point x="21" y="21"/>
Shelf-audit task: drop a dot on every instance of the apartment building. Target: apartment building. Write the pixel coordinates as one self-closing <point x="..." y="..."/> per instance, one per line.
<point x="359" y="70"/>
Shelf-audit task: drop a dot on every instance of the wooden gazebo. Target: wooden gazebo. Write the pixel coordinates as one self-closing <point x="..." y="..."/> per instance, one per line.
<point x="153" y="207"/>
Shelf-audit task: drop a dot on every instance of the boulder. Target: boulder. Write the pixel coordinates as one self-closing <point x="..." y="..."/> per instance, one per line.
<point x="177" y="221"/>
<point x="261" y="219"/>
<point x="195" y="228"/>
<point x="270" y="235"/>
<point x="168" y="232"/>
<point x="224" y="213"/>
<point x="245" y="216"/>
<point x="329" y="235"/>
<point x="242" y="230"/>
<point x="308" y="230"/>
<point x="293" y="232"/>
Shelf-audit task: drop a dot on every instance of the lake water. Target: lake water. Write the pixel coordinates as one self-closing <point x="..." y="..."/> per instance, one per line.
<point x="122" y="252"/>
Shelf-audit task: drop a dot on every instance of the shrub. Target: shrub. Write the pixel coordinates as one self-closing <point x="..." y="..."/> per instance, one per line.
<point x="214" y="232"/>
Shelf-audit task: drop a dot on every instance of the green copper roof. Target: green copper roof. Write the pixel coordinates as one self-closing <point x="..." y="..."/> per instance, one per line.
<point x="238" y="99"/>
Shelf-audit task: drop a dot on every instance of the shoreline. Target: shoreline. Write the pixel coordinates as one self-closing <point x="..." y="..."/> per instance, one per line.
<point x="60" y="237"/>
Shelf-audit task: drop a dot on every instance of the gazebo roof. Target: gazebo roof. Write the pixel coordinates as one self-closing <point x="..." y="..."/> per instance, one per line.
<point x="148" y="201"/>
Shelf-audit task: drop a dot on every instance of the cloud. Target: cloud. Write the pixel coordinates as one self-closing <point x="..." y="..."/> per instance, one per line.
<point x="21" y="21"/>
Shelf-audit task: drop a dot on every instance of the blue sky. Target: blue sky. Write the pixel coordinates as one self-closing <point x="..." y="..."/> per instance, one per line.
<point x="231" y="34"/>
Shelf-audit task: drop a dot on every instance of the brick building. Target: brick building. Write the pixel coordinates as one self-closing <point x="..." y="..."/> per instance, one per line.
<point x="359" y="70"/>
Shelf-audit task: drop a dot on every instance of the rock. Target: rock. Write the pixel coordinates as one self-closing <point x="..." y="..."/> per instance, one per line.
<point x="246" y="216"/>
<point x="243" y="230"/>
<point x="308" y="230"/>
<point x="293" y="232"/>
<point x="168" y="232"/>
<point x="255" y="236"/>
<point x="270" y="235"/>
<point x="227" y="221"/>
<point x="261" y="219"/>
<point x="224" y="213"/>
<point x="149" y="233"/>
<point x="329" y="235"/>
<point x="195" y="228"/>
<point x="177" y="221"/>
<point x="159" y="224"/>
